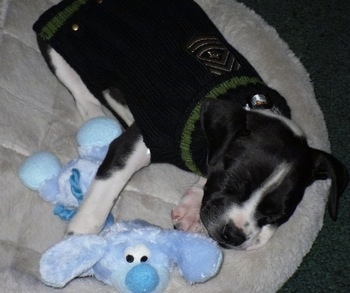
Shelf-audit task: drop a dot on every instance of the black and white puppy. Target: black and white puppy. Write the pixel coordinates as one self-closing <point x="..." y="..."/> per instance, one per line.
<point x="187" y="98"/>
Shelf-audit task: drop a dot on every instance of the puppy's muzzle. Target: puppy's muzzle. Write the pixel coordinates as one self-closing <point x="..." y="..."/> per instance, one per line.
<point x="227" y="235"/>
<point x="225" y="232"/>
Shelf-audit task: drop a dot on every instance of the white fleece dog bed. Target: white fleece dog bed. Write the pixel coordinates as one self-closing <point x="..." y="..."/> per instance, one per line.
<point x="37" y="113"/>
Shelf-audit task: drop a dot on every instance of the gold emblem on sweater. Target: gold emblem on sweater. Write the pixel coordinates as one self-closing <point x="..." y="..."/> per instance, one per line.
<point x="213" y="54"/>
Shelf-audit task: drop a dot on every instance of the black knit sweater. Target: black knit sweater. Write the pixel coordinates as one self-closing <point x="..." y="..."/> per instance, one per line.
<point x="165" y="55"/>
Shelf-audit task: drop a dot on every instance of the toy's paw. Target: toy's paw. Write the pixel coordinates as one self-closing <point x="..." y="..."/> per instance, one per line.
<point x="100" y="131"/>
<point x="39" y="168"/>
<point x="185" y="216"/>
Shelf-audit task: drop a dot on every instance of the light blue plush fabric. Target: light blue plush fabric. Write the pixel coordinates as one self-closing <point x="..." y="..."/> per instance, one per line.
<point x="98" y="132"/>
<point x="65" y="186"/>
<point x="133" y="256"/>
<point x="70" y="258"/>
<point x="142" y="278"/>
<point x="38" y="168"/>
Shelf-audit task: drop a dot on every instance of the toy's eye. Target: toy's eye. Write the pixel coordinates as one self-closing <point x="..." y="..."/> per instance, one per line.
<point x="137" y="253"/>
<point x="129" y="258"/>
<point x="144" y="258"/>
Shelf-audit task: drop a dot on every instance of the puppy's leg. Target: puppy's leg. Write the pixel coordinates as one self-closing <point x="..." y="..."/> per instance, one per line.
<point x="117" y="102"/>
<point x="88" y="106"/>
<point x="185" y="216"/>
<point x="127" y="154"/>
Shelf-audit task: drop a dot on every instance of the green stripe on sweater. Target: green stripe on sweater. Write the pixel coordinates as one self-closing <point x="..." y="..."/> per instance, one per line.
<point x="49" y="30"/>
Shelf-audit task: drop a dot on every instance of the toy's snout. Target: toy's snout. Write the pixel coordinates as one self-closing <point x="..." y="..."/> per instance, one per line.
<point x="142" y="278"/>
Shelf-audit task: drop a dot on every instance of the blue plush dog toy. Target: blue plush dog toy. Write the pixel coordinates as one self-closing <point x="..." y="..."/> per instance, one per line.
<point x="133" y="256"/>
<point x="65" y="186"/>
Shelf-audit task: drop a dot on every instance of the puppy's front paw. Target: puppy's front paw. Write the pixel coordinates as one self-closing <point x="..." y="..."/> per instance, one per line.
<point x="262" y="238"/>
<point x="185" y="216"/>
<point x="83" y="225"/>
<point x="257" y="244"/>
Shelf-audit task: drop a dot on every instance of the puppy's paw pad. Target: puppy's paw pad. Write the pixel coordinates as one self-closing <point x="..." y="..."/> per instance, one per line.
<point x="186" y="217"/>
<point x="177" y="213"/>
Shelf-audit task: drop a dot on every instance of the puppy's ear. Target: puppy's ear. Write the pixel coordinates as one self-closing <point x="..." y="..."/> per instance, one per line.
<point x="221" y="121"/>
<point x="326" y="166"/>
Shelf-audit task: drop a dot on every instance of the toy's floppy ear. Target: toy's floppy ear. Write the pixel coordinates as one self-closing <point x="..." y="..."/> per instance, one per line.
<point x="71" y="258"/>
<point x="198" y="257"/>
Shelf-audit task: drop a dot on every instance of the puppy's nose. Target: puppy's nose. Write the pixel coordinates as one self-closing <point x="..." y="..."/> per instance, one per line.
<point x="232" y="235"/>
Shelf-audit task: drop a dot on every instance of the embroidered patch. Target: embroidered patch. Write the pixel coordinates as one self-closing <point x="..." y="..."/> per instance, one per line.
<point x="213" y="54"/>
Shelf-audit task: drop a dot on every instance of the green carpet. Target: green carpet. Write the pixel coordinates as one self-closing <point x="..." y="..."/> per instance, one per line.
<point x="318" y="33"/>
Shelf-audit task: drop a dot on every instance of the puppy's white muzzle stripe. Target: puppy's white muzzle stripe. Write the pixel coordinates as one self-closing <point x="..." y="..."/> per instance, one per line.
<point x="243" y="216"/>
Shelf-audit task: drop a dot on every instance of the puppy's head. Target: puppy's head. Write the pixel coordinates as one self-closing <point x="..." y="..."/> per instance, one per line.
<point x="259" y="165"/>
